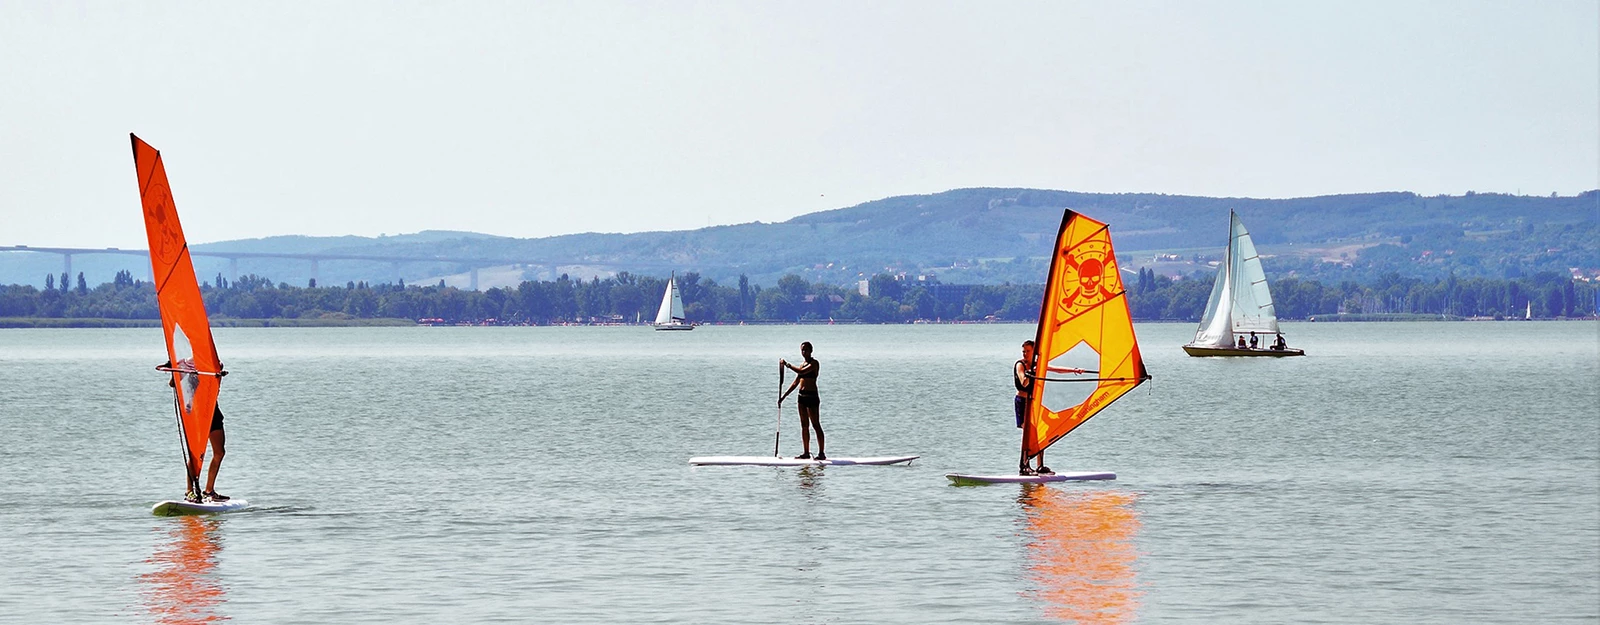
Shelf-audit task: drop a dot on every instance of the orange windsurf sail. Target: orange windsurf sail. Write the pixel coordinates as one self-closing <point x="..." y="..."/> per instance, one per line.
<point x="1088" y="355"/>
<point x="191" y="355"/>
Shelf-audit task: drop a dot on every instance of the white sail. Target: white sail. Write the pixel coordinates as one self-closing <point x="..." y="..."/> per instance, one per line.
<point x="1252" y="300"/>
<point x="677" y="301"/>
<point x="671" y="304"/>
<point x="1240" y="301"/>
<point x="1216" y="325"/>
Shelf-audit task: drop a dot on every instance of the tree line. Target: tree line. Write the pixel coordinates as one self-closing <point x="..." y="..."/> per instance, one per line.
<point x="627" y="298"/>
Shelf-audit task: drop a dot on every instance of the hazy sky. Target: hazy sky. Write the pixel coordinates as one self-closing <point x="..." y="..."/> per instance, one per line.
<point x="540" y="118"/>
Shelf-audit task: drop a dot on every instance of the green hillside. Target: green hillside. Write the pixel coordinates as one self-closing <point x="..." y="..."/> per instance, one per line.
<point x="991" y="236"/>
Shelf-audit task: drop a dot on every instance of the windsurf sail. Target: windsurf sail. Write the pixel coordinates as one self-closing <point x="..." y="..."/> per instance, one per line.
<point x="1240" y="300"/>
<point x="191" y="355"/>
<point x="1088" y="354"/>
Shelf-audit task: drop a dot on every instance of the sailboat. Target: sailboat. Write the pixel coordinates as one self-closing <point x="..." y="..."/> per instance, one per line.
<point x="191" y="354"/>
<point x="1088" y="354"/>
<point x="1241" y="304"/>
<point x="670" y="316"/>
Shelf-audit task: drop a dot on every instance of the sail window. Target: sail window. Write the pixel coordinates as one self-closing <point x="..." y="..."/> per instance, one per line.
<point x="1062" y="395"/>
<point x="184" y="353"/>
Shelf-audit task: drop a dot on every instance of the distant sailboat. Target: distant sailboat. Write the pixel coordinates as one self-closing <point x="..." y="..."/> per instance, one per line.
<point x="1241" y="304"/>
<point x="1088" y="354"/>
<point x="670" y="316"/>
<point x="191" y="355"/>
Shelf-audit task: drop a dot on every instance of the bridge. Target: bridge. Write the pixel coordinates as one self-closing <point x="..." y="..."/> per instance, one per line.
<point x="315" y="258"/>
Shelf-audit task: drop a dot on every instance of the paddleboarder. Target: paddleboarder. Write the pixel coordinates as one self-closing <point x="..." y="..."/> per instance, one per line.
<point x="808" y="401"/>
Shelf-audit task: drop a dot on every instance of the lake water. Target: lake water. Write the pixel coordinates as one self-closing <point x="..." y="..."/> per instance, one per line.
<point x="1400" y="473"/>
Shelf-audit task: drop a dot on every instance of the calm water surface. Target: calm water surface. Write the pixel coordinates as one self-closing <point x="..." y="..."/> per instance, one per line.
<point x="1417" y="473"/>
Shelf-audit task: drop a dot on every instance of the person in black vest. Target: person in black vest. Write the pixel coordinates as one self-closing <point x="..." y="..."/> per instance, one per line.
<point x="1022" y="374"/>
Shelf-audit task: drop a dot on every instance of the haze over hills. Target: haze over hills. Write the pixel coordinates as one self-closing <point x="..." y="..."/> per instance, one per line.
<point x="982" y="235"/>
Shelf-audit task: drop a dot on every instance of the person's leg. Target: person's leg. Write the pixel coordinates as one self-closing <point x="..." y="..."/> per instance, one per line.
<point x="219" y="442"/>
<point x="816" y="424"/>
<point x="805" y="433"/>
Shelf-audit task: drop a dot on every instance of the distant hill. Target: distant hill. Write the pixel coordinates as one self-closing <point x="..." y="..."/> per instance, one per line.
<point x="984" y="235"/>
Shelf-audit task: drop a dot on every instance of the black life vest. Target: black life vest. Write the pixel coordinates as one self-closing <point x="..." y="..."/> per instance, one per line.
<point x="1024" y="384"/>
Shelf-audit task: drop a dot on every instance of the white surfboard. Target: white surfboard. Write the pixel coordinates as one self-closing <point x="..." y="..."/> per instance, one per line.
<point x="1068" y="476"/>
<point x="773" y="461"/>
<point x="181" y="507"/>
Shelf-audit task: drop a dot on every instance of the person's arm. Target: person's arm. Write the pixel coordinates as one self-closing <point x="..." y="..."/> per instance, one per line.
<point x="1063" y="370"/>
<point x="785" y="394"/>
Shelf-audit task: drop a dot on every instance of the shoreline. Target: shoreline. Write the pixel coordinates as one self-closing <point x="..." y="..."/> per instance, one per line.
<point x="8" y="323"/>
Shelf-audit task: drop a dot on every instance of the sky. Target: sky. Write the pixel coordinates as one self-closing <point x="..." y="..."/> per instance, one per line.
<point x="534" y="119"/>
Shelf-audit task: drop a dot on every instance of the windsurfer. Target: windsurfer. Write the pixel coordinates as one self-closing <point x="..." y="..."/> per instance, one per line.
<point x="218" y="439"/>
<point x="808" y="402"/>
<point x="1022" y="374"/>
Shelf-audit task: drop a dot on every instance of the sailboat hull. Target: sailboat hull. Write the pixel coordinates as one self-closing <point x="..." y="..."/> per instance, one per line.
<point x="674" y="326"/>
<point x="1196" y="350"/>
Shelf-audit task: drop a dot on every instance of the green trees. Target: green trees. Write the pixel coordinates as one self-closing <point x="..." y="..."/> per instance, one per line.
<point x="627" y="297"/>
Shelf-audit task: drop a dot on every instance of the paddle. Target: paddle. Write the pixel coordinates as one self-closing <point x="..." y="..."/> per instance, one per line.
<point x="778" y="431"/>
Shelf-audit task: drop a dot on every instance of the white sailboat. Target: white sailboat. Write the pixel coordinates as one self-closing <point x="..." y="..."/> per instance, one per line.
<point x="670" y="316"/>
<point x="1240" y="305"/>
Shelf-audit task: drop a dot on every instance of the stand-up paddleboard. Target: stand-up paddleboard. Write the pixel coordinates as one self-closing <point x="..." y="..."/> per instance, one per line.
<point x="771" y="461"/>
<point x="1070" y="476"/>
<point x="776" y="461"/>
<point x="192" y="362"/>
<point x="181" y="508"/>
<point x="1085" y="353"/>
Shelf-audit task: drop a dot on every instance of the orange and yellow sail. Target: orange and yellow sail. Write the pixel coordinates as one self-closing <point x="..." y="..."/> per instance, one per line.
<point x="191" y="355"/>
<point x="1088" y="355"/>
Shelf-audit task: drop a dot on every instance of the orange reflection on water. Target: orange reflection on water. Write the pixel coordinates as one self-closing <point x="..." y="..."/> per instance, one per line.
<point x="182" y="588"/>
<point x="1081" y="553"/>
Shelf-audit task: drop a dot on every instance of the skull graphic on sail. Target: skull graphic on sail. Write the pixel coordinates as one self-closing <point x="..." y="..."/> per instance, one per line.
<point x="1085" y="268"/>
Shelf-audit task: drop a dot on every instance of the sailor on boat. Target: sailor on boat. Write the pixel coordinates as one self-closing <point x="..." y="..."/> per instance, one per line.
<point x="1022" y="374"/>
<point x="1280" y="344"/>
<point x="1254" y="342"/>
<point x="218" y="438"/>
<point x="806" y="380"/>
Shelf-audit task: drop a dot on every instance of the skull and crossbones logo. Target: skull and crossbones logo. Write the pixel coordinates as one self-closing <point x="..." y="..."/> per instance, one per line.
<point x="1084" y="270"/>
<point x="167" y="242"/>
